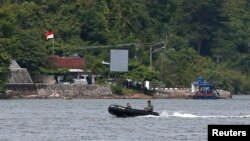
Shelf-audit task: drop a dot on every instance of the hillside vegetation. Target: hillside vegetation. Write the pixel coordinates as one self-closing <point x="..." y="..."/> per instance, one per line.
<point x="194" y="32"/>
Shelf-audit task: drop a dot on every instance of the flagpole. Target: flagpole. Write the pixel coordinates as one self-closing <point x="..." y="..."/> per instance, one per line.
<point x="53" y="42"/>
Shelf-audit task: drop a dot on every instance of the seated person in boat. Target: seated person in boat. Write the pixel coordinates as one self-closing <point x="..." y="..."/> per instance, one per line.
<point x="204" y="90"/>
<point x="129" y="106"/>
<point x="150" y="107"/>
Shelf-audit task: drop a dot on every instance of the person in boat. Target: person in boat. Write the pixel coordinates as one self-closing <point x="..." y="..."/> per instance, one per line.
<point x="200" y="81"/>
<point x="204" y="90"/>
<point x="129" y="106"/>
<point x="150" y="107"/>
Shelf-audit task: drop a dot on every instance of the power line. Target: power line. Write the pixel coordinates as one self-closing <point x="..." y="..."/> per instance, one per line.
<point x="106" y="46"/>
<point x="120" y="45"/>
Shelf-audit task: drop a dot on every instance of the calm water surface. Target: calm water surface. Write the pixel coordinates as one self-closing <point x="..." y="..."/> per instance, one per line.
<point x="88" y="119"/>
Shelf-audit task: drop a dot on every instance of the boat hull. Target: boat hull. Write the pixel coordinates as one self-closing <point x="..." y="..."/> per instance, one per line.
<point x="205" y="97"/>
<point x="121" y="111"/>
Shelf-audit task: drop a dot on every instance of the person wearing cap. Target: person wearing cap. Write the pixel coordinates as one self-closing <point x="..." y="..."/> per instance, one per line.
<point x="150" y="107"/>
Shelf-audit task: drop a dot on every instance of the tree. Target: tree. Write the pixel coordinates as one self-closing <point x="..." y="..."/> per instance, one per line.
<point x="138" y="72"/>
<point x="7" y="42"/>
<point x="199" y="22"/>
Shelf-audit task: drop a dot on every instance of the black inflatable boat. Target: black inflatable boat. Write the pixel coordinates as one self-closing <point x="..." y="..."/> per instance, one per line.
<point x="121" y="111"/>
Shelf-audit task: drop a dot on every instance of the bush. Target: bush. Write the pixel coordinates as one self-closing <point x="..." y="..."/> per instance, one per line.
<point x="101" y="82"/>
<point x="117" y="90"/>
<point x="121" y="91"/>
<point x="70" y="79"/>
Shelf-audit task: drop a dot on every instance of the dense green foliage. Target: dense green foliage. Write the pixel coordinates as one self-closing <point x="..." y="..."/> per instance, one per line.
<point x="6" y="43"/>
<point x="119" y="90"/>
<point x="194" y="32"/>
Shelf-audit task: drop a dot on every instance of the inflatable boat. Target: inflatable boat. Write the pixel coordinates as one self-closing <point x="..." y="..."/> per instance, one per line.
<point x="121" y="111"/>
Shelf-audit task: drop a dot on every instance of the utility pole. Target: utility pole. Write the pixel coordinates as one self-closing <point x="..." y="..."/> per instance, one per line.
<point x="53" y="42"/>
<point x="151" y="53"/>
<point x="137" y="44"/>
<point x="162" y="59"/>
<point x="150" y="58"/>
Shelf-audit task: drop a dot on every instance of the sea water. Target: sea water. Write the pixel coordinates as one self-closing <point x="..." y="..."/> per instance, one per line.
<point x="88" y="119"/>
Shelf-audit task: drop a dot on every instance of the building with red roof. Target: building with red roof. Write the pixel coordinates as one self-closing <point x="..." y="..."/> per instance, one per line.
<point x="75" y="65"/>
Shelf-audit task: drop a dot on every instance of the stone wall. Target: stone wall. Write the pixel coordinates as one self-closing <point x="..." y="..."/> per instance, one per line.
<point x="73" y="90"/>
<point x="56" y="90"/>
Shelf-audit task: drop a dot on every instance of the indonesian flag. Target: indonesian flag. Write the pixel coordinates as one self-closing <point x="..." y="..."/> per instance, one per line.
<point x="49" y="35"/>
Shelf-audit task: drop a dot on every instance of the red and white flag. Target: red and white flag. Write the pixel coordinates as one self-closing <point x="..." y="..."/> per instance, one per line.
<point x="49" y="35"/>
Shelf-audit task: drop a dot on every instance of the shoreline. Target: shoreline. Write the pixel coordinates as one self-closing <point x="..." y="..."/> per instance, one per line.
<point x="55" y="96"/>
<point x="111" y="96"/>
<point x="61" y="91"/>
<point x="74" y="94"/>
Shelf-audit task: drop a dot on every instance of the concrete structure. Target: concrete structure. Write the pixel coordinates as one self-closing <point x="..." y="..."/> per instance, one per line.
<point x="18" y="74"/>
<point x="43" y="78"/>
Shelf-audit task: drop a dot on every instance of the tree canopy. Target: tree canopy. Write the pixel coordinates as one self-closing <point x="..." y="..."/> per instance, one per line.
<point x="209" y="38"/>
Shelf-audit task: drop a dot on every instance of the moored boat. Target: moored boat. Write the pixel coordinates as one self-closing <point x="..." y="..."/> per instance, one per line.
<point x="204" y="90"/>
<point x="121" y="111"/>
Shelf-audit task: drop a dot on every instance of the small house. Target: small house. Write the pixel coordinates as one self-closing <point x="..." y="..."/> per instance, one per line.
<point x="76" y="73"/>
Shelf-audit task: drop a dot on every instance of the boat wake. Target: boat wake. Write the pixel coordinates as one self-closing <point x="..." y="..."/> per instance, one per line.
<point x="165" y="114"/>
<point x="188" y="115"/>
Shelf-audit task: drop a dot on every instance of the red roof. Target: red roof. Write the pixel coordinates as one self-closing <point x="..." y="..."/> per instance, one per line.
<point x="68" y="62"/>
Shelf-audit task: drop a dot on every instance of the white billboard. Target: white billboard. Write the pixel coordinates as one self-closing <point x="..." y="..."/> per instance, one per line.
<point x="119" y="60"/>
